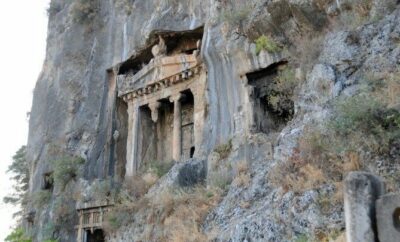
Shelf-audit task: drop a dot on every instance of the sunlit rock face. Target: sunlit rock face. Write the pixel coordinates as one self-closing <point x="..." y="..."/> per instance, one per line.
<point x="126" y="83"/>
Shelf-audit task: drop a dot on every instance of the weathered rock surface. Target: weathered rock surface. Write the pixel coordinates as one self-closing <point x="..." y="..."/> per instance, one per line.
<point x="74" y="100"/>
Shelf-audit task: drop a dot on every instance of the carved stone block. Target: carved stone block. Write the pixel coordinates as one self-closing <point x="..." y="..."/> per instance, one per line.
<point x="388" y="217"/>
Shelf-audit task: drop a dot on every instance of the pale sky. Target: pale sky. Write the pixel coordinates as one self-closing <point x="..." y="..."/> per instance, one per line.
<point x="23" y="28"/>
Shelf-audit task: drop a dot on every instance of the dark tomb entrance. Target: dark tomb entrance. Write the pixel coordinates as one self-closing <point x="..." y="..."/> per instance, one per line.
<point x="187" y="116"/>
<point x="96" y="236"/>
<point x="272" y="108"/>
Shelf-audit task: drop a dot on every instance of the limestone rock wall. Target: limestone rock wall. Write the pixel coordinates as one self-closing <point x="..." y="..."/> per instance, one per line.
<point x="74" y="99"/>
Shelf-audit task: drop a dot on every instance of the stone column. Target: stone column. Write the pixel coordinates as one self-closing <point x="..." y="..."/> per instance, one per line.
<point x="199" y="110"/>
<point x="154" y="110"/>
<point x="361" y="190"/>
<point x="80" y="229"/>
<point x="176" y="138"/>
<point x="131" y="144"/>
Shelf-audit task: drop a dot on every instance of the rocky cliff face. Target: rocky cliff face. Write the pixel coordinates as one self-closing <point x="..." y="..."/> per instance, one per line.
<point x="326" y="48"/>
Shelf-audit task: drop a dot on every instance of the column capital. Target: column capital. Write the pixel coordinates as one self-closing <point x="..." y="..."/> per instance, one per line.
<point x="154" y="110"/>
<point x="175" y="97"/>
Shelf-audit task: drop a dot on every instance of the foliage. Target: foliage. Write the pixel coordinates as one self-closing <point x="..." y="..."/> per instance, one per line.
<point x="17" y="235"/>
<point x="66" y="169"/>
<point x="224" y="149"/>
<point x="41" y="198"/>
<point x="20" y="169"/>
<point x="84" y="11"/>
<point x="266" y="43"/>
<point x="281" y="91"/>
<point x="363" y="128"/>
<point x="301" y="238"/>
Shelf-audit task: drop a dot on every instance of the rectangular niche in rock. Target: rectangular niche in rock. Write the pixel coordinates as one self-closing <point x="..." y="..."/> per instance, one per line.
<point x="48" y="181"/>
<point x="271" y="94"/>
<point x="155" y="132"/>
<point x="188" y="147"/>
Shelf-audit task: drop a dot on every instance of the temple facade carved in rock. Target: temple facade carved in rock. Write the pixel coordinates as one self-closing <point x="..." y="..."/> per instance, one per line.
<point x="165" y="104"/>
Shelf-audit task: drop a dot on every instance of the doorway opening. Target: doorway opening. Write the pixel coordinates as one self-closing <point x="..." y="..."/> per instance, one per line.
<point x="267" y="117"/>
<point x="187" y="117"/>
<point x="96" y="236"/>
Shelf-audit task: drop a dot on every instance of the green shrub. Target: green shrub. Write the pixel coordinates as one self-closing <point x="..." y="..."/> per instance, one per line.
<point x="363" y="128"/>
<point x="66" y="169"/>
<point x="363" y="114"/>
<point x="41" y="198"/>
<point x="84" y="11"/>
<point x="19" y="169"/>
<point x="266" y="43"/>
<point x="17" y="235"/>
<point x="301" y="238"/>
<point x="281" y="91"/>
<point x="224" y="149"/>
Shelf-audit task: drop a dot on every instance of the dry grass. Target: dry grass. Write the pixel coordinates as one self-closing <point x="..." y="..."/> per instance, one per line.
<point x="224" y="150"/>
<point x="169" y="216"/>
<point x="242" y="178"/>
<point x="138" y="185"/>
<point x="220" y="177"/>
<point x="308" y="48"/>
<point x="364" y="128"/>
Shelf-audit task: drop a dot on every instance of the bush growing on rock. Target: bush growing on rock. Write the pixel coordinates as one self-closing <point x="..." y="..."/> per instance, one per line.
<point x="224" y="149"/>
<point x="66" y="169"/>
<point x="20" y="170"/>
<point x="281" y="92"/>
<point x="267" y="44"/>
<point x="17" y="235"/>
<point x="363" y="128"/>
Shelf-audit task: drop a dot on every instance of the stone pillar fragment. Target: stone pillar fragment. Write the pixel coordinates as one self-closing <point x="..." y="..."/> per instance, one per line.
<point x="176" y="138"/>
<point x="154" y="110"/>
<point x="388" y="217"/>
<point x="131" y="146"/>
<point x="361" y="190"/>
